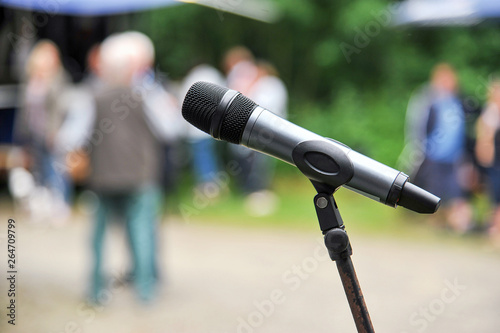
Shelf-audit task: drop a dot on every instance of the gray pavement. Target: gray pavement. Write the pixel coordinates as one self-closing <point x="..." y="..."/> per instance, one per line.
<point x="225" y="280"/>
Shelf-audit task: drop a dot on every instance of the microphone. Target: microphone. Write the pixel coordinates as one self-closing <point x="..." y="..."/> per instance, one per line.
<point x="230" y="116"/>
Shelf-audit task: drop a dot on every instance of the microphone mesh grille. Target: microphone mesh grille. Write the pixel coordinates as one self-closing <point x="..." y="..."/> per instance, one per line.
<point x="236" y="119"/>
<point x="200" y="104"/>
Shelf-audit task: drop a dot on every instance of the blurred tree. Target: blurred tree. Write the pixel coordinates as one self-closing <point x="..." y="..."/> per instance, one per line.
<point x="349" y="73"/>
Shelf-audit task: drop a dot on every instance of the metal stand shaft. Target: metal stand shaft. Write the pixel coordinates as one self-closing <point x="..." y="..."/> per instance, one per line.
<point x="354" y="295"/>
<point x="340" y="251"/>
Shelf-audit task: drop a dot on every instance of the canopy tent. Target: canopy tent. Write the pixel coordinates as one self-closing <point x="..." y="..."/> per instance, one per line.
<point x="86" y="7"/>
<point x="445" y="12"/>
<point x="261" y="10"/>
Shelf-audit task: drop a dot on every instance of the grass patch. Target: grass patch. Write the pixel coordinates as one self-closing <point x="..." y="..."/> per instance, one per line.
<point x="296" y="211"/>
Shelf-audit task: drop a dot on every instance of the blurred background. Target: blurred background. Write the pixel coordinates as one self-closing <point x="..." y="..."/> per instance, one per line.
<point x="129" y="219"/>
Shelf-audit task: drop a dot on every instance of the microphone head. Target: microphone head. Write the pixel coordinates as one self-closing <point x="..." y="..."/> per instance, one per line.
<point x="200" y="104"/>
<point x="208" y="106"/>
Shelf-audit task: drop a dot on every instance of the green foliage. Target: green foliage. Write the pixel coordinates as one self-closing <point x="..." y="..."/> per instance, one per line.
<point x="349" y="72"/>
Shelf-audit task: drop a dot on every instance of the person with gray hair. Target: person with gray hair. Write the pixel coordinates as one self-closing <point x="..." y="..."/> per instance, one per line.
<point x="131" y="115"/>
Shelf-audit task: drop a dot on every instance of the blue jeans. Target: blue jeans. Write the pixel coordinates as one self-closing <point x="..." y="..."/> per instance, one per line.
<point x="139" y="209"/>
<point x="50" y="172"/>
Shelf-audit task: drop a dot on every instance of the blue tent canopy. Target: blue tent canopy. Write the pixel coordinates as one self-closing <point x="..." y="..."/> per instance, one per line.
<point x="262" y="10"/>
<point x="86" y="7"/>
<point x="445" y="12"/>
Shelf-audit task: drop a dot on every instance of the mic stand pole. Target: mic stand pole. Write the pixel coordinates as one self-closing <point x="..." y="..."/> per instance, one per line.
<point x="340" y="251"/>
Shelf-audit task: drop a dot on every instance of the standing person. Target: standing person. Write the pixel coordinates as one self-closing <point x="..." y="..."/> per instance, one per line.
<point x="241" y="73"/>
<point x="39" y="121"/>
<point x="131" y="114"/>
<point x="436" y="129"/>
<point x="201" y="144"/>
<point x="259" y="81"/>
<point x="79" y="118"/>
<point x="488" y="151"/>
<point x="268" y="91"/>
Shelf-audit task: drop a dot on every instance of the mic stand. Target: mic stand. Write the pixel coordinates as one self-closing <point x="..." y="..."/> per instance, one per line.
<point x="340" y="251"/>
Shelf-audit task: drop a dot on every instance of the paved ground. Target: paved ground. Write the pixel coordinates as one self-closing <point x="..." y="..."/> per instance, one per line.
<point x="224" y="280"/>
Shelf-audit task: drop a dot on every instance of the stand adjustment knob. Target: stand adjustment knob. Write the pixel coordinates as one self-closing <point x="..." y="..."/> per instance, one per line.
<point x="336" y="240"/>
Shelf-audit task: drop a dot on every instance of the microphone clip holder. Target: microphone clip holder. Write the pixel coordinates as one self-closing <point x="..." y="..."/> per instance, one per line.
<point x="332" y="165"/>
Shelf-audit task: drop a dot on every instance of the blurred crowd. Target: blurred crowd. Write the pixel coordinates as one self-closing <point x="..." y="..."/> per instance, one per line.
<point x="119" y="134"/>
<point x="453" y="150"/>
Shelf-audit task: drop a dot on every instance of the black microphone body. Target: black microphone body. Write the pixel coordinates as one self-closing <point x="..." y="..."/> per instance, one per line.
<point x="228" y="115"/>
